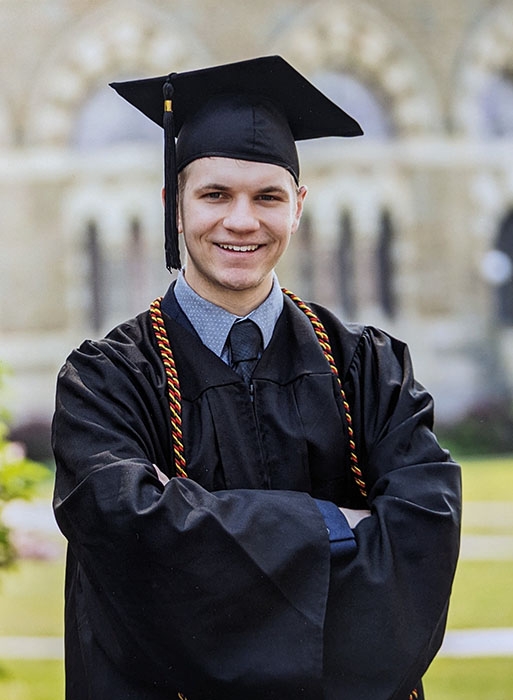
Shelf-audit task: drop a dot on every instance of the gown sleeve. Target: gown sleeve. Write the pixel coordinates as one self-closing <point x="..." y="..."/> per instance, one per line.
<point x="387" y="606"/>
<point x="166" y="572"/>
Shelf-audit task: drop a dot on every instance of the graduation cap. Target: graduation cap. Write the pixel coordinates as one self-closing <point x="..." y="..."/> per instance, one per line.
<point x="251" y="110"/>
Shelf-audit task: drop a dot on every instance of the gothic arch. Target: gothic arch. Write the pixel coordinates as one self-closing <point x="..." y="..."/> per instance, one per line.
<point x="487" y="53"/>
<point x="124" y="38"/>
<point x="505" y="288"/>
<point x="6" y="134"/>
<point x="331" y="35"/>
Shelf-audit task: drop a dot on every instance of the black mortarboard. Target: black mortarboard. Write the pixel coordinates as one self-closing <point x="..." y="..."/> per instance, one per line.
<point x="250" y="110"/>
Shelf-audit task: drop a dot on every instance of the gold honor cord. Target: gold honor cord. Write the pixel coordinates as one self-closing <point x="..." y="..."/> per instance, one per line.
<point x="173" y="386"/>
<point x="175" y="403"/>
<point x="324" y="342"/>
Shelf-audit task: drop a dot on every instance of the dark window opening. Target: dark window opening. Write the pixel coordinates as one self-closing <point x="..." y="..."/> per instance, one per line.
<point x="95" y="277"/>
<point x="346" y="266"/>
<point x="305" y="256"/>
<point x="505" y="290"/>
<point x="385" y="266"/>
<point x="136" y="266"/>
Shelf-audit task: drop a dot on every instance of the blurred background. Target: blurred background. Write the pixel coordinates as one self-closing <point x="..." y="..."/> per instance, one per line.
<point x="409" y="228"/>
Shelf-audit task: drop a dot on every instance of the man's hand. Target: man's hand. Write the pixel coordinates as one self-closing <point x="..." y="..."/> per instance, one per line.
<point x="162" y="477"/>
<point x="353" y="517"/>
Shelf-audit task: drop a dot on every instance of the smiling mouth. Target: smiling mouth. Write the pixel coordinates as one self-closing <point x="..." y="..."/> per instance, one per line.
<point x="238" y="248"/>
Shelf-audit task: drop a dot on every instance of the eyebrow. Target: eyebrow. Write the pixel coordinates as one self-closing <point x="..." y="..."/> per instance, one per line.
<point x="269" y="189"/>
<point x="212" y="186"/>
<point x="273" y="188"/>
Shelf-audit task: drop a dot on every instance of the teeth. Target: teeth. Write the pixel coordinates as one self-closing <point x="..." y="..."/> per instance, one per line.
<point x="239" y="248"/>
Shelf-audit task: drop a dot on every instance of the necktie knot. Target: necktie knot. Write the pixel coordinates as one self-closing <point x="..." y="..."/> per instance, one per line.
<point x="245" y="340"/>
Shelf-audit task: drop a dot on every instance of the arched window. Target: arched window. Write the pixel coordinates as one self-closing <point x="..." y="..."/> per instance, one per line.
<point x="346" y="265"/>
<point x="305" y="256"/>
<point x="137" y="266"/>
<point x="364" y="104"/>
<point x="385" y="266"/>
<point x="497" y="105"/>
<point x="96" y="289"/>
<point x="106" y="119"/>
<point x="505" y="288"/>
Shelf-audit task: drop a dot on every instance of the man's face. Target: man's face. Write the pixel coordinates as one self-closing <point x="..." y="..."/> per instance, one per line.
<point x="237" y="218"/>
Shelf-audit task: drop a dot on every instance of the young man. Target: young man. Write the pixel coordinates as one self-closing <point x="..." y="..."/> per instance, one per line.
<point x="255" y="504"/>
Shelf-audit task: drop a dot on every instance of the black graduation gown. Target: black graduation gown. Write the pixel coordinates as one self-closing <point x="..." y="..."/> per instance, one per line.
<point x="222" y="585"/>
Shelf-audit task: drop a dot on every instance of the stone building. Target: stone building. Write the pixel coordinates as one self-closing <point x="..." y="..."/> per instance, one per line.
<point x="409" y="228"/>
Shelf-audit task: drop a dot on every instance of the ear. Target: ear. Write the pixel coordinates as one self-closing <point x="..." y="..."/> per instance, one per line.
<point x="300" y="200"/>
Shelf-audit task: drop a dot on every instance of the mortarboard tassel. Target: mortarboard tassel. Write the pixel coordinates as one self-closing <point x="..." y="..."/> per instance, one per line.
<point x="170" y="180"/>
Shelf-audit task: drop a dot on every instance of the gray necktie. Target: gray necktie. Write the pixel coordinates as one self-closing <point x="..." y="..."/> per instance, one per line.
<point x="245" y="341"/>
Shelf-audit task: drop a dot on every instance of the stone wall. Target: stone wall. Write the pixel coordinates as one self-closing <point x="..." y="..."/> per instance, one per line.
<point x="436" y="174"/>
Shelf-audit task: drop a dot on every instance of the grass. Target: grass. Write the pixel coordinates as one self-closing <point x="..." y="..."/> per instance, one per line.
<point x="488" y="479"/>
<point x="31" y="599"/>
<point x="469" y="679"/>
<point x="31" y="603"/>
<point x="31" y="680"/>
<point x="482" y="595"/>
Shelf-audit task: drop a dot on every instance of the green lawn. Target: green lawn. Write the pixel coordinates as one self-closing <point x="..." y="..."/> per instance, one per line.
<point x="482" y="595"/>
<point x="31" y="680"/>
<point x="31" y="603"/>
<point x="31" y="599"/>
<point x="488" y="479"/>
<point x="469" y="679"/>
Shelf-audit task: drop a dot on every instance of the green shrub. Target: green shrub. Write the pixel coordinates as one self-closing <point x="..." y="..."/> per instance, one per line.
<point x="19" y="477"/>
<point x="487" y="429"/>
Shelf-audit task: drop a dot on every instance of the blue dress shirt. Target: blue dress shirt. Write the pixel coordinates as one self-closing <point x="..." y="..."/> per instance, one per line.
<point x="213" y="323"/>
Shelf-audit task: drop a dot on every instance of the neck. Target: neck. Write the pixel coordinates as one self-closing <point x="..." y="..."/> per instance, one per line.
<point x="239" y="302"/>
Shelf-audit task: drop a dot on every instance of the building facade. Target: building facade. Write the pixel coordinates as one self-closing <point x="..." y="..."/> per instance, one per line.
<point x="409" y="228"/>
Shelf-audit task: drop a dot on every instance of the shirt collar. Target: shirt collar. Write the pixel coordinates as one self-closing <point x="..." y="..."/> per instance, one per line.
<point x="213" y="323"/>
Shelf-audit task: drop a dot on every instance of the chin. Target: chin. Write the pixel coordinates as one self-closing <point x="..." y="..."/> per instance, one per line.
<point x="240" y="285"/>
<point x="239" y="278"/>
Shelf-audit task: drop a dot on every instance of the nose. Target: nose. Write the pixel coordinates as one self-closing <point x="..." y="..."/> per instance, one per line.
<point x="241" y="217"/>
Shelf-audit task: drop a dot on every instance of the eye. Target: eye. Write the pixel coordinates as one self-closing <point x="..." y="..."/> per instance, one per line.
<point x="273" y="196"/>
<point x="213" y="195"/>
